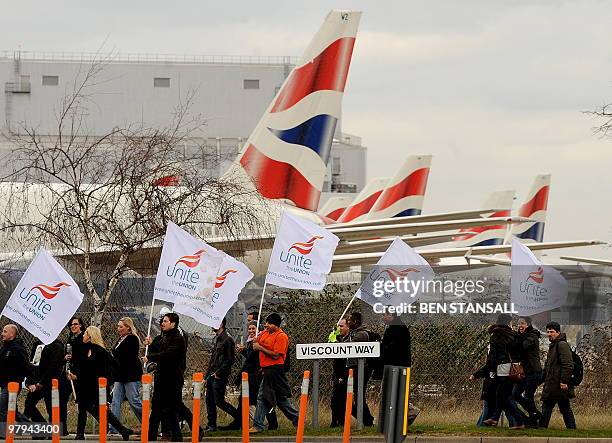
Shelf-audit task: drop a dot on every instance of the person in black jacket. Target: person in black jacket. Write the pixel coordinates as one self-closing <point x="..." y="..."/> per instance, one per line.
<point x="395" y="346"/>
<point x="39" y="384"/>
<point x="129" y="369"/>
<point x="14" y="367"/>
<point x="338" y="381"/>
<point x="170" y="356"/>
<point x="74" y="353"/>
<point x="95" y="364"/>
<point x="524" y="391"/>
<point x="217" y="376"/>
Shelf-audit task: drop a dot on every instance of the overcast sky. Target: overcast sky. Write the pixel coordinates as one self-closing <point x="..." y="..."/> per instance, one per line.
<point x="495" y="90"/>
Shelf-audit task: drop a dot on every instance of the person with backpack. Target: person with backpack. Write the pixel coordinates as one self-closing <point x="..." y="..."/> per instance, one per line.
<point x="273" y="344"/>
<point x="359" y="333"/>
<point x="95" y="364"/>
<point x="558" y="387"/>
<point x="127" y="384"/>
<point x="524" y="390"/>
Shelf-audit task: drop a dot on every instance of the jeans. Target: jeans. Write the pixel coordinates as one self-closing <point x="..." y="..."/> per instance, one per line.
<point x="4" y="395"/>
<point x="564" y="407"/>
<point x="524" y="392"/>
<point x="215" y="398"/>
<point x="131" y="392"/>
<point x="486" y="411"/>
<point x="505" y="402"/>
<point x="282" y="403"/>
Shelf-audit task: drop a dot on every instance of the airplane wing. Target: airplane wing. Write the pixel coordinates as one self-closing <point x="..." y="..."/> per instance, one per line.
<point x="342" y="261"/>
<point x="376" y="245"/>
<point x="591" y="261"/>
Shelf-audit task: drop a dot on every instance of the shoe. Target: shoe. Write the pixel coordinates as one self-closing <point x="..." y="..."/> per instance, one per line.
<point x="209" y="429"/>
<point x="254" y="430"/>
<point x="79" y="437"/>
<point x="125" y="435"/>
<point x="490" y="422"/>
<point x="233" y="426"/>
<point x="517" y="427"/>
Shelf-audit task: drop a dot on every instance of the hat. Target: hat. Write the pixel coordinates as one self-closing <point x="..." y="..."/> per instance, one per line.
<point x="274" y="319"/>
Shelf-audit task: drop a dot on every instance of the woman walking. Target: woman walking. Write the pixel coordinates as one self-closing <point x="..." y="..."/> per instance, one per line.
<point x="96" y="363"/>
<point x="129" y="372"/>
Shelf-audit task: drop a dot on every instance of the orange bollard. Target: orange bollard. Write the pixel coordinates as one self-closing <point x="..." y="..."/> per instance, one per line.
<point x="13" y="389"/>
<point x="299" y="437"/>
<point x="55" y="411"/>
<point x="102" y="410"/>
<point x="245" y="407"/>
<point x="147" y="379"/>
<point x="346" y="435"/>
<point x="198" y="378"/>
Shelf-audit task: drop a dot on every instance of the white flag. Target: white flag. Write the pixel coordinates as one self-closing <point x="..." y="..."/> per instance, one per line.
<point x="187" y="269"/>
<point x="534" y="287"/>
<point x="231" y="279"/>
<point x="400" y="276"/>
<point x="302" y="254"/>
<point x="45" y="298"/>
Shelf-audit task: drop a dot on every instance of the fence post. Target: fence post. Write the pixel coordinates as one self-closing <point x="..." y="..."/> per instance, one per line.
<point x="55" y="411"/>
<point x="102" y="409"/>
<point x="13" y="389"/>
<point x="299" y="437"/>
<point x="348" y="412"/>
<point x="315" y="393"/>
<point x="245" y="407"/>
<point x="146" y="407"/>
<point x="198" y="377"/>
<point x="360" y="392"/>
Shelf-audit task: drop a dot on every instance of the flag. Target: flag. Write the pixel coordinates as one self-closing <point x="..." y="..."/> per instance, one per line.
<point x="188" y="268"/>
<point x="210" y="310"/>
<point x="302" y="254"/>
<point x="400" y="263"/>
<point x="45" y="298"/>
<point x="534" y="287"/>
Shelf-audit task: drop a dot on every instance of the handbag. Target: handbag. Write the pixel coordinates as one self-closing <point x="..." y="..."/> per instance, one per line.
<point x="517" y="373"/>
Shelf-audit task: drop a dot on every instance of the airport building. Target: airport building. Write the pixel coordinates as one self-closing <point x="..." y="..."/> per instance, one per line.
<point x="230" y="92"/>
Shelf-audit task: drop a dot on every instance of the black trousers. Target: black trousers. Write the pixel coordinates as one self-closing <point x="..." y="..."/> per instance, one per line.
<point x="564" y="407"/>
<point x="338" y="403"/>
<point x="65" y="391"/>
<point x="93" y="410"/>
<point x="524" y="391"/>
<point x="165" y="406"/>
<point x="31" y="411"/>
<point x="215" y="398"/>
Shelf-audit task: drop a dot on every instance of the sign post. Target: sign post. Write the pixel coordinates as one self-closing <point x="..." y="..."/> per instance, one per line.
<point x="321" y="351"/>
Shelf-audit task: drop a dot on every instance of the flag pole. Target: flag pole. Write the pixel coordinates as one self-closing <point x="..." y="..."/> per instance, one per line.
<point x="150" y="322"/>
<point x="263" y="291"/>
<point x="346" y="309"/>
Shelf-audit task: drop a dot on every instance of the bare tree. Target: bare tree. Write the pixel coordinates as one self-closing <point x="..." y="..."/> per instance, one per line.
<point x="101" y="201"/>
<point x="603" y="114"/>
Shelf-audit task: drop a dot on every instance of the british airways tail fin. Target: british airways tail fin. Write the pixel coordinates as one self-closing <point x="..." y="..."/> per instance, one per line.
<point x="404" y="194"/>
<point x="334" y="207"/>
<point x="362" y="204"/>
<point x="488" y="235"/>
<point x="535" y="207"/>
<point x="286" y="155"/>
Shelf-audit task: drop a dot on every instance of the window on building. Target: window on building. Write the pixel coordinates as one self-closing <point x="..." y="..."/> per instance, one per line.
<point x="250" y="84"/>
<point x="161" y="82"/>
<point x="50" y="80"/>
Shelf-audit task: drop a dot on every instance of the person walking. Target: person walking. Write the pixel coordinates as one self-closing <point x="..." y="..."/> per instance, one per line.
<point x="339" y="380"/>
<point x="524" y="391"/>
<point x="272" y="345"/>
<point x="14" y="367"/>
<point x="128" y="383"/>
<point x="96" y="363"/>
<point x="359" y="333"/>
<point x="74" y="352"/>
<point x="217" y="376"/>
<point x="170" y="356"/>
<point x="558" y="369"/>
<point x="48" y="363"/>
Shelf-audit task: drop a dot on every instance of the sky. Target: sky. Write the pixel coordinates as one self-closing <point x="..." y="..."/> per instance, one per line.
<point x="495" y="90"/>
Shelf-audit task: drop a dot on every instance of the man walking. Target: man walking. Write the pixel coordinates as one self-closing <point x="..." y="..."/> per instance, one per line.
<point x="170" y="357"/>
<point x="338" y="381"/>
<point x="524" y="391"/>
<point x="272" y="345"/>
<point x="14" y="367"/>
<point x="358" y="333"/>
<point x="217" y="376"/>
<point x="557" y="374"/>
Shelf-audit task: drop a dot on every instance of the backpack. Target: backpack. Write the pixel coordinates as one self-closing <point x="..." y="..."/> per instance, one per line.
<point x="374" y="364"/>
<point x="578" y="371"/>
